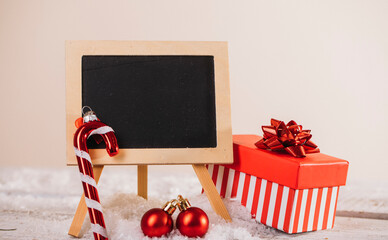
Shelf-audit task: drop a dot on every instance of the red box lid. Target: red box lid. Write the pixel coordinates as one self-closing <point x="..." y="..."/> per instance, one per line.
<point x="313" y="171"/>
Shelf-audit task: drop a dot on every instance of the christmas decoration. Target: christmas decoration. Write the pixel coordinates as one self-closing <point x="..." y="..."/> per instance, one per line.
<point x="290" y="137"/>
<point x="79" y="122"/>
<point x="91" y="126"/>
<point x="191" y="221"/>
<point x="157" y="222"/>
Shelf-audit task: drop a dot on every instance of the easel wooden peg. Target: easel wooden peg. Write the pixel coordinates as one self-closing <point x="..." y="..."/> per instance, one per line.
<point x="142" y="175"/>
<point x="80" y="213"/>
<point x="211" y="191"/>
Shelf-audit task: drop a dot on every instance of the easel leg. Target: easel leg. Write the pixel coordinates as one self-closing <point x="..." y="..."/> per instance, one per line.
<point x="211" y="191"/>
<point x="142" y="172"/>
<point x="80" y="214"/>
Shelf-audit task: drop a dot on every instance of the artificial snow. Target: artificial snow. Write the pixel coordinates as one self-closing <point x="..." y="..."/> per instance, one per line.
<point x="40" y="204"/>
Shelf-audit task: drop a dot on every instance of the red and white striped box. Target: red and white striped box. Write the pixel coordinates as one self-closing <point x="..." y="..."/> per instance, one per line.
<point x="291" y="194"/>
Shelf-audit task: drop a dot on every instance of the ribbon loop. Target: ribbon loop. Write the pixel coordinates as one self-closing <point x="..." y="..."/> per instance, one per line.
<point x="291" y="138"/>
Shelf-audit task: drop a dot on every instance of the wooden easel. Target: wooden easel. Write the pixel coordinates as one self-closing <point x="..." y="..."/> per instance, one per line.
<point x="142" y="172"/>
<point x="222" y="153"/>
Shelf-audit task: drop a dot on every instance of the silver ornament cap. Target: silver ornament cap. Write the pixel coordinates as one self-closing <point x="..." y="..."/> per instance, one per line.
<point x="89" y="115"/>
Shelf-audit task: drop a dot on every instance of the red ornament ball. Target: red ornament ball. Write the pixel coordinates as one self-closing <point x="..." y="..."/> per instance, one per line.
<point x="156" y="223"/>
<point x="192" y="222"/>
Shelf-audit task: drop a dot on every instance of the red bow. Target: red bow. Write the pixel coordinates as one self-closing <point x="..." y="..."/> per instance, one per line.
<point x="290" y="137"/>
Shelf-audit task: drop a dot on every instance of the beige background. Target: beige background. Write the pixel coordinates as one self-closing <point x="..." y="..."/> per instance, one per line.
<point x="321" y="63"/>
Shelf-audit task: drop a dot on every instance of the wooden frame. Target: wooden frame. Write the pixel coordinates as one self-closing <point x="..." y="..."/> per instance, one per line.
<point x="220" y="154"/>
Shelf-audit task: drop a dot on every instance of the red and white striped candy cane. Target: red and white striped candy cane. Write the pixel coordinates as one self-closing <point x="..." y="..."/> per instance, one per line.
<point x="91" y="127"/>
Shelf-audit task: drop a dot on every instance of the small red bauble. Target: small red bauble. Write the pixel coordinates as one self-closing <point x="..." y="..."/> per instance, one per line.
<point x="157" y="222"/>
<point x="191" y="221"/>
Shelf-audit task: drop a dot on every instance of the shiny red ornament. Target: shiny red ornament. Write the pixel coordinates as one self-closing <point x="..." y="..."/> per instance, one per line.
<point x="79" y="122"/>
<point x="191" y="221"/>
<point x="90" y="126"/>
<point x="291" y="137"/>
<point x="157" y="222"/>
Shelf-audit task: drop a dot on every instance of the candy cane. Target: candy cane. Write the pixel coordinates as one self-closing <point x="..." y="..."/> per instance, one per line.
<point x="91" y="127"/>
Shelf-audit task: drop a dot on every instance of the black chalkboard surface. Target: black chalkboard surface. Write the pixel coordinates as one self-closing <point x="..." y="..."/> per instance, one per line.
<point x="153" y="101"/>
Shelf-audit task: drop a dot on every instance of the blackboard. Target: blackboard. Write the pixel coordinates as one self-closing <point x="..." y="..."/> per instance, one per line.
<point x="167" y="101"/>
<point x="153" y="101"/>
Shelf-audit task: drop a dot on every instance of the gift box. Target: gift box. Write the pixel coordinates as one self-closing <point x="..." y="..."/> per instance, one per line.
<point x="291" y="194"/>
